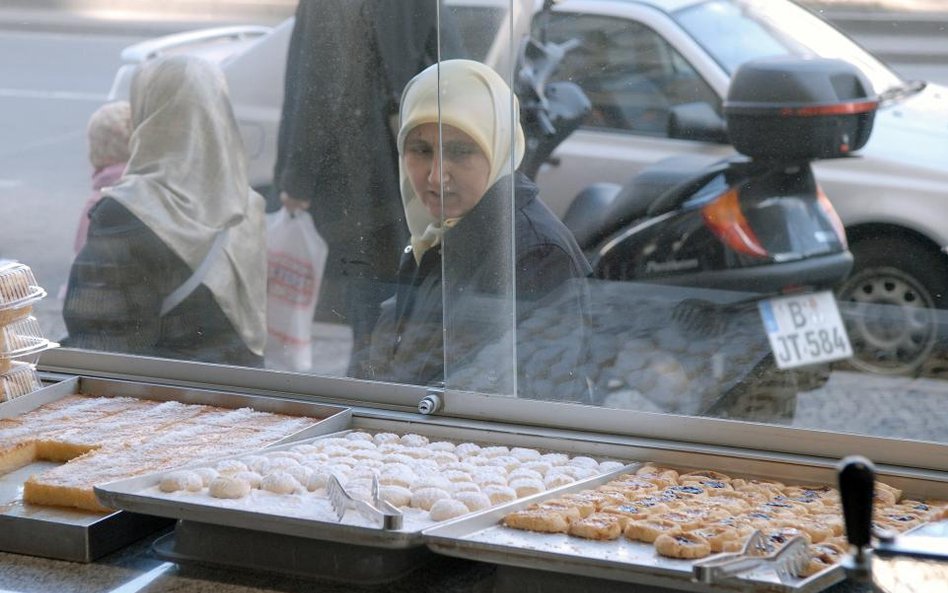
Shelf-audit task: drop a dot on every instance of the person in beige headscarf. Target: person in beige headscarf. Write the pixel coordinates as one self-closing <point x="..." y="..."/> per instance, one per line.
<point x="175" y="261"/>
<point x="459" y="142"/>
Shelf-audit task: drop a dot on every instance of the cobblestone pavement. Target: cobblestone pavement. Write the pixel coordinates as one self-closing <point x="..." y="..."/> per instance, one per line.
<point x="850" y="401"/>
<point x="896" y="407"/>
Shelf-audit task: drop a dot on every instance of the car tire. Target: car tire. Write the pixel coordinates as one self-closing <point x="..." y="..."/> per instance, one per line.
<point x="889" y="304"/>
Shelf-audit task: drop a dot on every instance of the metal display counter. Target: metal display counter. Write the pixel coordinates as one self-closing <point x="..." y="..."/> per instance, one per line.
<point x="689" y="442"/>
<point x="73" y="534"/>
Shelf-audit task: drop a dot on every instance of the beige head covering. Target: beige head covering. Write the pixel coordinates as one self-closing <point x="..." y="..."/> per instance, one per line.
<point x="477" y="101"/>
<point x="187" y="180"/>
<point x="109" y="129"/>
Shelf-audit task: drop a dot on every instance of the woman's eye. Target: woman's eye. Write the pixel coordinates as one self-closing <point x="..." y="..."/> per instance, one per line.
<point x="459" y="152"/>
<point x="419" y="150"/>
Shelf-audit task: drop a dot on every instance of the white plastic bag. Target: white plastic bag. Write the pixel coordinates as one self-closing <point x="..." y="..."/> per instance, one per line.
<point x="296" y="259"/>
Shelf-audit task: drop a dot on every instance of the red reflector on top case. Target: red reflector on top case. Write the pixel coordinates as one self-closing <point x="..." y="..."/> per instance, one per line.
<point x="835" y="109"/>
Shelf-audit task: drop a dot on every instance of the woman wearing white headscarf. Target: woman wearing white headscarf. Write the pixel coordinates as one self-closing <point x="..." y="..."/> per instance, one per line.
<point x="175" y="263"/>
<point x="456" y="191"/>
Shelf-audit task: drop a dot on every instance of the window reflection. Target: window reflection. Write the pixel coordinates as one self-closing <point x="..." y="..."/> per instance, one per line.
<point x="173" y="265"/>
<point x="526" y="328"/>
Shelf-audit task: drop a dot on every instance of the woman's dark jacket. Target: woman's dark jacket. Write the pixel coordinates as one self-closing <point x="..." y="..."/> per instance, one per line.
<point x="116" y="287"/>
<point x="460" y="293"/>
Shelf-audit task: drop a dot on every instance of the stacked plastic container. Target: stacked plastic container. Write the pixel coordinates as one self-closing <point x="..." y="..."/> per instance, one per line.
<point x="21" y="338"/>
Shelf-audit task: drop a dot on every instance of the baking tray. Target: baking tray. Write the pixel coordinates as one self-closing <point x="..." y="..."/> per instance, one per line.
<point x="610" y="566"/>
<point x="81" y="536"/>
<point x="128" y="494"/>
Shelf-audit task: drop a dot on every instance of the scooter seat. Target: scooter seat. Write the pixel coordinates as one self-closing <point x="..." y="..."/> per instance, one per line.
<point x="639" y="194"/>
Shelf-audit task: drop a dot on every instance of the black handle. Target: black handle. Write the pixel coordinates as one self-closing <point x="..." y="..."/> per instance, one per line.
<point x="856" y="491"/>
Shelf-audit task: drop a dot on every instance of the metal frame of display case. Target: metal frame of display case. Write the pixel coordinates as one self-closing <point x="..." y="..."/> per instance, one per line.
<point x="663" y="432"/>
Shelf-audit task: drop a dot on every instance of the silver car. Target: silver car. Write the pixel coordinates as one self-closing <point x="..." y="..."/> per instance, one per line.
<point x="640" y="58"/>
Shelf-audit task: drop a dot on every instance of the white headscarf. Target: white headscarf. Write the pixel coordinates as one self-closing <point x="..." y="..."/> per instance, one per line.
<point x="187" y="180"/>
<point x="477" y="101"/>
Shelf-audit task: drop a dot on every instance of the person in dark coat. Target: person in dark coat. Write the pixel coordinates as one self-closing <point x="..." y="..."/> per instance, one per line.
<point x="465" y="284"/>
<point x="347" y="64"/>
<point x="174" y="263"/>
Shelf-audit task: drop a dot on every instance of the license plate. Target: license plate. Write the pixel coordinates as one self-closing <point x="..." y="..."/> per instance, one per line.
<point x="805" y="329"/>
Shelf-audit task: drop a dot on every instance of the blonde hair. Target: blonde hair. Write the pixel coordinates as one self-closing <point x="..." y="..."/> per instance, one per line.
<point x="109" y="130"/>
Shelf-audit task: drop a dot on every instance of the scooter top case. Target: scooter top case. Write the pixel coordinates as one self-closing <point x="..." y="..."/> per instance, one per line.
<point x="789" y="109"/>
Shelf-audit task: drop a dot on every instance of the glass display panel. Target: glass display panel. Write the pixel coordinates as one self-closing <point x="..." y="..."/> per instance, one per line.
<point x="691" y="296"/>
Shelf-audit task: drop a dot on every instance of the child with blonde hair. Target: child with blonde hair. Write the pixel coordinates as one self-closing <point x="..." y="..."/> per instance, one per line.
<point x="108" y="132"/>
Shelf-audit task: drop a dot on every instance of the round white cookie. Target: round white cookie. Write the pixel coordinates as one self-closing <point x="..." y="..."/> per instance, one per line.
<point x="424" y="498"/>
<point x="447" y="508"/>
<point x="225" y="486"/>
<point x="280" y="482"/>
<point x="187" y="480"/>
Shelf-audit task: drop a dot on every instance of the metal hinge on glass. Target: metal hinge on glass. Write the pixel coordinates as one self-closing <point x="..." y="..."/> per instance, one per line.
<point x="433" y="400"/>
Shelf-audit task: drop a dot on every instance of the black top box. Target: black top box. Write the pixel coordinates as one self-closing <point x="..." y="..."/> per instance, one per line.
<point x="789" y="108"/>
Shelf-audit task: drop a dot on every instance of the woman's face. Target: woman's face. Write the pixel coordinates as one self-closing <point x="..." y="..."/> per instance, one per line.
<point x="462" y="174"/>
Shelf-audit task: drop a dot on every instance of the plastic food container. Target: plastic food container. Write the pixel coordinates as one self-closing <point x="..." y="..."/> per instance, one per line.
<point x="20" y="339"/>
<point x="799" y="109"/>
<point x="18" y="290"/>
<point x="19" y="379"/>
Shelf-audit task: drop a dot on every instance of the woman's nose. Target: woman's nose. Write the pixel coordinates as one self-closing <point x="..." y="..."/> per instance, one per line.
<point x="438" y="171"/>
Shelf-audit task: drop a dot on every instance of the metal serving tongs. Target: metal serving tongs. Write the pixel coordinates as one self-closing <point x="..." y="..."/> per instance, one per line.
<point x="379" y="511"/>
<point x="787" y="562"/>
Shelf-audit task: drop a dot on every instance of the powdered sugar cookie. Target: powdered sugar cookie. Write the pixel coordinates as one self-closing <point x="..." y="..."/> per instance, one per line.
<point x="386" y="437"/>
<point x="464" y="487"/>
<point x="499" y="494"/>
<point x="474" y="501"/>
<point x="524" y="454"/>
<point x="507" y="462"/>
<point x="207" y="474"/>
<point x="181" y="480"/>
<point x="524" y="473"/>
<point x="397" y="495"/>
<point x="230" y="466"/>
<point x="541" y="467"/>
<point x="488" y="478"/>
<point x="456" y="476"/>
<point x="527" y="487"/>
<point x="318" y="480"/>
<point x="414" y="440"/>
<point x="583" y="461"/>
<point x="610" y="466"/>
<point x="495" y="451"/>
<point x="251" y="477"/>
<point x="467" y="449"/>
<point x="447" y="508"/>
<point x="276" y="463"/>
<point x="431" y="482"/>
<point x="227" y="486"/>
<point x="359" y="436"/>
<point x="557" y="480"/>
<point x="555" y="458"/>
<point x="424" y="498"/>
<point x="280" y="482"/>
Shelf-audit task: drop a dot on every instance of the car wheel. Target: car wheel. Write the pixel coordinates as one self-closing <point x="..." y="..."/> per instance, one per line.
<point x="890" y="304"/>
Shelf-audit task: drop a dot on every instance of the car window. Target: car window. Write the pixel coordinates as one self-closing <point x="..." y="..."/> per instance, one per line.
<point x="733" y="32"/>
<point x="632" y="76"/>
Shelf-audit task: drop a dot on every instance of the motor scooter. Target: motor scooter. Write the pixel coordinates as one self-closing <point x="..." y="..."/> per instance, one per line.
<point x="755" y="226"/>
